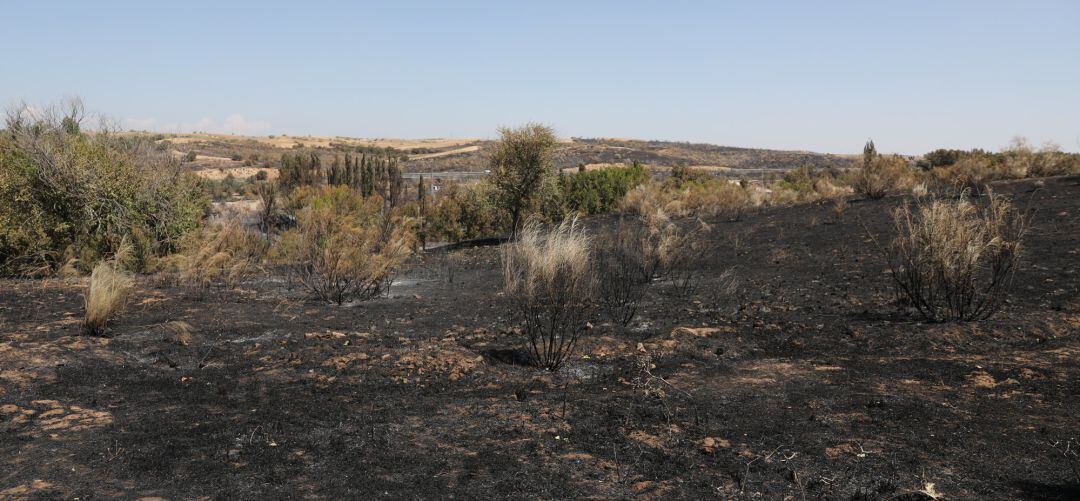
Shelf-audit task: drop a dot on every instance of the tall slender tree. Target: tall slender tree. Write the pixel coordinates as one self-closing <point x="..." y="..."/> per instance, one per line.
<point x="869" y="153"/>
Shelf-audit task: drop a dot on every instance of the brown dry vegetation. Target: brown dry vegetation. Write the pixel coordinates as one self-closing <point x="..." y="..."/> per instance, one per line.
<point x="344" y="246"/>
<point x="953" y="260"/>
<point x="105" y="297"/>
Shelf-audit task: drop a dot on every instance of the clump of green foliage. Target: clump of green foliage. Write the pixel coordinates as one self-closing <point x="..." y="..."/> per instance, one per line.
<point x="462" y="212"/>
<point x="522" y="169"/>
<point x="69" y="196"/>
<point x="599" y="191"/>
<point x="367" y="174"/>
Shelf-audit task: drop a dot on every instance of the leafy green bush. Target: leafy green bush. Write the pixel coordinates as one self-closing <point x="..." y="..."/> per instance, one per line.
<point x="71" y="195"/>
<point x="599" y="191"/>
<point x="465" y="212"/>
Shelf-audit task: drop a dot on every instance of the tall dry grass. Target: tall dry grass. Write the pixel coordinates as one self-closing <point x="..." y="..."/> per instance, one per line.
<point x="549" y="282"/>
<point x="226" y="253"/>
<point x="954" y="260"/>
<point x="105" y="297"/>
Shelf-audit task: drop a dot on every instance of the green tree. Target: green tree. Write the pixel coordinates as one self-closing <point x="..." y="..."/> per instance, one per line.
<point x="520" y="165"/>
<point x="869" y="153"/>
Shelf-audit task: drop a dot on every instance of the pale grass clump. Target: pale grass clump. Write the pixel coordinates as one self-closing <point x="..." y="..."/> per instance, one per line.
<point x="643" y="199"/>
<point x="953" y="260"/>
<point x="225" y="253"/>
<point x="105" y="297"/>
<point x="549" y="282"/>
<point x="827" y="189"/>
<point x="713" y="197"/>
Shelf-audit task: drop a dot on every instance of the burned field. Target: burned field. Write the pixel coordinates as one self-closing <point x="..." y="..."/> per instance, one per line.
<point x="802" y="379"/>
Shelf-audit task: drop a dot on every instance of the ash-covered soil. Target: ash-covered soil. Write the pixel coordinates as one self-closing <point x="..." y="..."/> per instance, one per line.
<point x="809" y="382"/>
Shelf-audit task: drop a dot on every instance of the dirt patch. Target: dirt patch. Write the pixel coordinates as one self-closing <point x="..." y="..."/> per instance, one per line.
<point x="239" y="173"/>
<point x="50" y="418"/>
<point x="455" y="151"/>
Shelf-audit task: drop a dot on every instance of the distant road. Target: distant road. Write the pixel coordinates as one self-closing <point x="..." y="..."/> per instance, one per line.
<point x="467" y="149"/>
<point x="444" y="175"/>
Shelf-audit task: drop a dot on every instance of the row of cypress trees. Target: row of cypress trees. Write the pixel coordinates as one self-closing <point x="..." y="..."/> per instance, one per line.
<point x="368" y="174"/>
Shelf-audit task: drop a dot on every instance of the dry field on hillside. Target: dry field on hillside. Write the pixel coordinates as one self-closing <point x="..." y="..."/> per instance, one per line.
<point x="289" y="142"/>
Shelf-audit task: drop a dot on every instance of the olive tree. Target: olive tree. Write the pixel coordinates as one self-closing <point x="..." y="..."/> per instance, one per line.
<point x="521" y="162"/>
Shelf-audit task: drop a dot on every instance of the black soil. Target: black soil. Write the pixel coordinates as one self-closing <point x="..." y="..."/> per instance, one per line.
<point x="809" y="382"/>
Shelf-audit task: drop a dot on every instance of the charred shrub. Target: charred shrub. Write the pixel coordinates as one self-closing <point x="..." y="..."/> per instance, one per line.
<point x="953" y="260"/>
<point x="641" y="251"/>
<point x="618" y="264"/>
<point x="549" y="282"/>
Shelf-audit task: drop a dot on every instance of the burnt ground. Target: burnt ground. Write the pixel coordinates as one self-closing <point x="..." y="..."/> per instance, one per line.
<point x="808" y="382"/>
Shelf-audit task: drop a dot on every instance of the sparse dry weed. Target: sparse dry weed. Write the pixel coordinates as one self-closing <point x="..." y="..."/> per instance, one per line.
<point x="105" y="297"/>
<point x="953" y="260"/>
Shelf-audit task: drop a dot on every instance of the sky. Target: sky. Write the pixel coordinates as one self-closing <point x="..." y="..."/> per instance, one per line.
<point x="821" y="76"/>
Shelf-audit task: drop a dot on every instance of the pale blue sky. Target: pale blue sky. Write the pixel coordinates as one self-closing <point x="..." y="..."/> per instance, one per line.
<point x="810" y="75"/>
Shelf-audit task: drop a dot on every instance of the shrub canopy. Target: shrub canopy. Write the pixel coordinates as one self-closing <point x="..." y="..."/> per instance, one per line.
<point x="72" y="195"/>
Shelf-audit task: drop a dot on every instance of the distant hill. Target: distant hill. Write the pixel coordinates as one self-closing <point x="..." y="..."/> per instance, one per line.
<point x="661" y="154"/>
<point x="470" y="155"/>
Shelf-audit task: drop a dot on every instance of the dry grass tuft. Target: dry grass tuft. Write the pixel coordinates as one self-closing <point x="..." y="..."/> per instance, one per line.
<point x="953" y="260"/>
<point x="549" y="282"/>
<point x="106" y="296"/>
<point x="227" y="253"/>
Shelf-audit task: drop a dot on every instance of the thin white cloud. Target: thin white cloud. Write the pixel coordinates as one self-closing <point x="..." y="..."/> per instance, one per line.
<point x="237" y="124"/>
<point x="148" y="123"/>
<point x="232" y="124"/>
